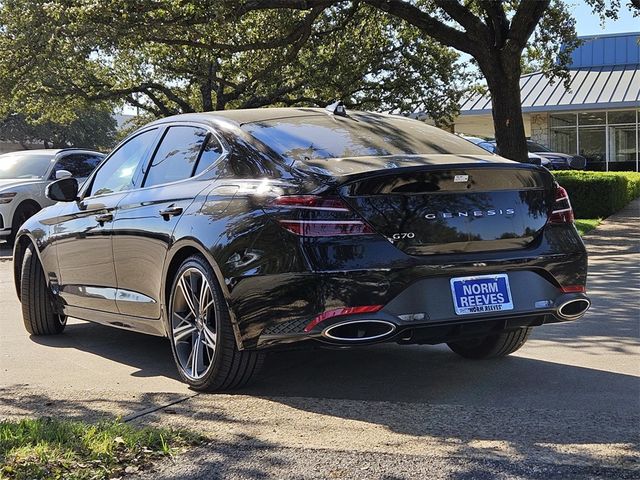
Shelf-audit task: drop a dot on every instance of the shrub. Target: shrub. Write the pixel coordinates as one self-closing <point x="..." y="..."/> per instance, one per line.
<point x="599" y="194"/>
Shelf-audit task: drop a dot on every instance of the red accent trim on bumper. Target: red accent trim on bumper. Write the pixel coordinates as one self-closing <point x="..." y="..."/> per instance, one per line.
<point x="338" y="312"/>
<point x="573" y="289"/>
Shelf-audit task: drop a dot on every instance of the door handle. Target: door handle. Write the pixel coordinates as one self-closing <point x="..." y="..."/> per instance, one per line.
<point x="103" y="218"/>
<point x="170" y="212"/>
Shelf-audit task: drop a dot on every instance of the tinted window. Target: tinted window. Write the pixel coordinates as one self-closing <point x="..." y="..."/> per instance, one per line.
<point x="116" y="175"/>
<point x="210" y="154"/>
<point x="176" y="156"/>
<point x="79" y="164"/>
<point x="24" y="165"/>
<point x="360" y="134"/>
<point x="534" y="147"/>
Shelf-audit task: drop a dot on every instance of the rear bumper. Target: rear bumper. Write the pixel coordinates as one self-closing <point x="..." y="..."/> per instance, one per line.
<point x="414" y="293"/>
<point x="414" y="319"/>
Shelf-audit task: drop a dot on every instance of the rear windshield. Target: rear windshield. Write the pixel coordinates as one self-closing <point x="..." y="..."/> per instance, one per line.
<point x="359" y="135"/>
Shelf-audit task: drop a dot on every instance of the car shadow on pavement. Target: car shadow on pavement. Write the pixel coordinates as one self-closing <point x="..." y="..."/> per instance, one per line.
<point x="149" y="354"/>
<point x="419" y="391"/>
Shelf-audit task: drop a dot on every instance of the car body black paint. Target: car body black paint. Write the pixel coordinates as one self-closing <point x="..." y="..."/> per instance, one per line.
<point x="275" y="282"/>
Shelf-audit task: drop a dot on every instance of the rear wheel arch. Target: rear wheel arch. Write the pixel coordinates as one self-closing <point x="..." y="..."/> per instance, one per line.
<point x="178" y="254"/>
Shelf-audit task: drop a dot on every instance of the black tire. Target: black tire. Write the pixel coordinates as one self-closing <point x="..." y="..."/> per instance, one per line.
<point x="492" y="346"/>
<point x="23" y="213"/>
<point x="38" y="313"/>
<point x="230" y="368"/>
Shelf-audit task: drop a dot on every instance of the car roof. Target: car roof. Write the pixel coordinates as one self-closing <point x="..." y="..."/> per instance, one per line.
<point x="50" y="151"/>
<point x="251" y="115"/>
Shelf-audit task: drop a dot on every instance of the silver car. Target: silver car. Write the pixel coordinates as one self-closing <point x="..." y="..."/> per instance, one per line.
<point x="24" y="176"/>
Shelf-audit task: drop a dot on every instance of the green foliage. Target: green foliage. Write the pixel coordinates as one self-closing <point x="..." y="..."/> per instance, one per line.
<point x="599" y="194"/>
<point x="91" y="127"/>
<point x="167" y="57"/>
<point x="584" y="226"/>
<point x="46" y="448"/>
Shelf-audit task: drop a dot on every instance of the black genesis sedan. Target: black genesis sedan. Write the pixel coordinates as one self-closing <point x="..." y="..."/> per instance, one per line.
<point x="236" y="232"/>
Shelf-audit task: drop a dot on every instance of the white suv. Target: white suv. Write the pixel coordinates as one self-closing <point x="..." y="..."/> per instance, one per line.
<point x="24" y="176"/>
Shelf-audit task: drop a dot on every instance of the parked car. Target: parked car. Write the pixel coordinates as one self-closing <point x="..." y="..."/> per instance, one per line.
<point x="24" y="176"/>
<point x="492" y="146"/>
<point x="558" y="161"/>
<point x="235" y="232"/>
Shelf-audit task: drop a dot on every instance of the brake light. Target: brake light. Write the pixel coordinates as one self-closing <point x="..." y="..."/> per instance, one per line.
<point x="562" y="211"/>
<point x="315" y="216"/>
<point x="338" y="312"/>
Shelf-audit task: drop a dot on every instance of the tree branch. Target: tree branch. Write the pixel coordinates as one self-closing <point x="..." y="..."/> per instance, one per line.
<point x="525" y="21"/>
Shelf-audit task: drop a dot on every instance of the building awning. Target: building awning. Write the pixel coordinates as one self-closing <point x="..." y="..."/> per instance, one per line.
<point x="591" y="88"/>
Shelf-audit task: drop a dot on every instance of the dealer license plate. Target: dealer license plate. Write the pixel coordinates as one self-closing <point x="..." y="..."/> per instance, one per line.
<point x="481" y="294"/>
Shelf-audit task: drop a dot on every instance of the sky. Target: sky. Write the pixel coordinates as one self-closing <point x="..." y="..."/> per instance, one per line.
<point x="589" y="24"/>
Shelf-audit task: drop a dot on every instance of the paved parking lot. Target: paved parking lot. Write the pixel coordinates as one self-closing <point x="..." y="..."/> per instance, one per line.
<point x="565" y="406"/>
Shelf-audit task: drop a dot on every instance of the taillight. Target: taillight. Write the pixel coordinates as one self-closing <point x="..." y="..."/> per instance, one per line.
<point x="562" y="211"/>
<point x="315" y="216"/>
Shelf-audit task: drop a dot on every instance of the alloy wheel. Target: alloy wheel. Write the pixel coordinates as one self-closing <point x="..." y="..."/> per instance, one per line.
<point x="193" y="323"/>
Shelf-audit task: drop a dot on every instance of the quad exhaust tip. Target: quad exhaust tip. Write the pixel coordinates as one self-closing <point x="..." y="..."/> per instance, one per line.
<point x="359" y="330"/>
<point x="573" y="308"/>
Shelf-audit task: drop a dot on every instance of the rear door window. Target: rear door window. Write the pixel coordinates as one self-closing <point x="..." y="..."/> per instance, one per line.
<point x="177" y="156"/>
<point x="210" y="154"/>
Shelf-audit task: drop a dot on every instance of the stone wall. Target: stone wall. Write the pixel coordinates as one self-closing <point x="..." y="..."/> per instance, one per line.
<point x="540" y="128"/>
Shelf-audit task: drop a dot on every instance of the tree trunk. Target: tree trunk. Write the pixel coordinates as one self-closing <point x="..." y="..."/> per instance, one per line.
<point x="504" y="87"/>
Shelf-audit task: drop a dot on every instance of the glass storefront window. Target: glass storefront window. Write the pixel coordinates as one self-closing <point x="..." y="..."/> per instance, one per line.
<point x="593" y="146"/>
<point x="562" y="119"/>
<point x="622" y="147"/>
<point x="592" y="118"/>
<point x="608" y="140"/>
<point x="626" y="116"/>
<point x="563" y="140"/>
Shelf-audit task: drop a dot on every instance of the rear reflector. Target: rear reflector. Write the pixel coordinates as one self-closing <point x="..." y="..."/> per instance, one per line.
<point x="340" y="312"/>
<point x="315" y="216"/>
<point x="573" y="289"/>
<point x="562" y="211"/>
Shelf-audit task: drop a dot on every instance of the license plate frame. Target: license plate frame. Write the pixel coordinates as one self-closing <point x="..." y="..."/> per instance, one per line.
<point x="479" y="294"/>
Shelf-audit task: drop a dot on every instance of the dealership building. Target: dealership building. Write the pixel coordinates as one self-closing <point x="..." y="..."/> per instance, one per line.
<point x="596" y="116"/>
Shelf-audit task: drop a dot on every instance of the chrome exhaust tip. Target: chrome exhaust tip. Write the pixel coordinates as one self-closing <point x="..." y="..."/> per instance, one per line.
<point x="359" y="330"/>
<point x="573" y="308"/>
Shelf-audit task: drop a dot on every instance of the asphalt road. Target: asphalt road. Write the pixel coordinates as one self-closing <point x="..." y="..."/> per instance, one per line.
<point x="567" y="405"/>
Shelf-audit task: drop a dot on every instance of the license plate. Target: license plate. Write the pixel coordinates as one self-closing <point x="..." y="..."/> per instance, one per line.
<point x="486" y="293"/>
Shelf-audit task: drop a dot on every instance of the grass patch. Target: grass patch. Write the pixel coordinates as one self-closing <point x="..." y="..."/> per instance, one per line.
<point x="55" y="449"/>
<point x="586" y="225"/>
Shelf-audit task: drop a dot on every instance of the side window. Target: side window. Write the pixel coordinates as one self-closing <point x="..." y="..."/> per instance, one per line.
<point x="210" y="154"/>
<point x="177" y="155"/>
<point x="79" y="164"/>
<point x="116" y="174"/>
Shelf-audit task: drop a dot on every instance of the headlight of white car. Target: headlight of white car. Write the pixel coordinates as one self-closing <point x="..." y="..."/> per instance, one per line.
<point x="7" y="197"/>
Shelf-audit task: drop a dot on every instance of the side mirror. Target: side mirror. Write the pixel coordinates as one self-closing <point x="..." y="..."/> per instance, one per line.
<point x="535" y="160"/>
<point x="578" y="162"/>
<point x="63" y="190"/>
<point x="63" y="174"/>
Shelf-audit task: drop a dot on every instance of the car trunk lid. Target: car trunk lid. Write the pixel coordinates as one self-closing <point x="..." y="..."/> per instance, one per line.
<point x="462" y="207"/>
